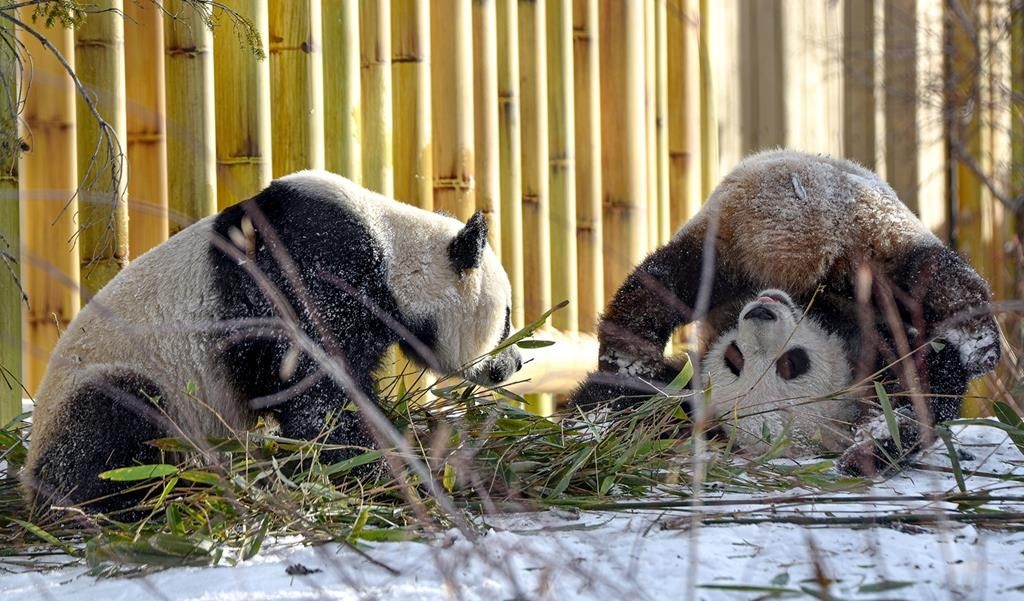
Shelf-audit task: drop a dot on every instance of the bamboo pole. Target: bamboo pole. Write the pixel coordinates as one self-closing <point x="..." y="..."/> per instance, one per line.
<point x="191" y="146"/>
<point x="10" y="239"/>
<point x="375" y="44"/>
<point x="296" y="80"/>
<point x="48" y="175"/>
<point x="510" y="152"/>
<point x="485" y="114"/>
<point x="102" y="199"/>
<point x="661" y="157"/>
<point x="410" y="72"/>
<point x="535" y="160"/>
<point x="147" y="140"/>
<point x="859" y="80"/>
<point x="451" y="72"/>
<point x="562" y="160"/>
<point x="684" y="117"/>
<point x="650" y="137"/>
<point x="342" y="90"/>
<point x="242" y="108"/>
<point x="1017" y="151"/>
<point x="534" y="110"/>
<point x="622" y="139"/>
<point x="709" y="152"/>
<point x="590" y="283"/>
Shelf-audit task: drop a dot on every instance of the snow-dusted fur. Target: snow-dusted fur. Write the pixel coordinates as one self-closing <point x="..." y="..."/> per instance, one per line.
<point x="186" y="342"/>
<point x="813" y="226"/>
<point x="767" y="398"/>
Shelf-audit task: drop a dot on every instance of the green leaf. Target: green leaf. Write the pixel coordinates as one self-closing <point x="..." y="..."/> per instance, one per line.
<point x="885" y="585"/>
<point x="46" y="536"/>
<point x="380" y="535"/>
<point x="139" y="472"/>
<point x="1006" y="415"/>
<point x="448" y="480"/>
<point x="781" y="579"/>
<point x="201" y="477"/>
<point x="954" y="460"/>
<point x="162" y="550"/>
<point x="581" y="457"/>
<point x="346" y="466"/>
<point x="890" y="415"/>
<point x="534" y="343"/>
<point x="360" y="523"/>
<point x="528" y="331"/>
<point x="682" y="378"/>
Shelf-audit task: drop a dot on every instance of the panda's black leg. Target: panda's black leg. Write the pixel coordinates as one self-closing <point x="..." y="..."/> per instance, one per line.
<point x="656" y="298"/>
<point x="124" y="408"/>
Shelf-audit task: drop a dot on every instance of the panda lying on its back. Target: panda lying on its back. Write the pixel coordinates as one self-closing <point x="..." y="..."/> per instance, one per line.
<point x="188" y="340"/>
<point x="797" y="222"/>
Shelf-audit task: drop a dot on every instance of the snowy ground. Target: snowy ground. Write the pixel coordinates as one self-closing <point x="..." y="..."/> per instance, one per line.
<point x="639" y="555"/>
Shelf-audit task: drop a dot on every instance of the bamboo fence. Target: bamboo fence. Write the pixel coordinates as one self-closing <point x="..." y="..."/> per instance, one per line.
<point x="586" y="130"/>
<point x="10" y="234"/>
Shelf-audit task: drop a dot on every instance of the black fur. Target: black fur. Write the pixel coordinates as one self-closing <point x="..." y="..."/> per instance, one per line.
<point x="467" y="248"/>
<point x="126" y="408"/>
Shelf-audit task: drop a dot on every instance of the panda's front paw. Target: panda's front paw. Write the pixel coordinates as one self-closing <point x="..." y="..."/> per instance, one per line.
<point x="978" y="345"/>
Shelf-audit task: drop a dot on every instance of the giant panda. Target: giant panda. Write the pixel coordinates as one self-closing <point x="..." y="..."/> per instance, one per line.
<point x="822" y="228"/>
<point x="203" y="334"/>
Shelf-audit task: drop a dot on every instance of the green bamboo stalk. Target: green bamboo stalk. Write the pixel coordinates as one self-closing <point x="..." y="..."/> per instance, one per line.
<point x="342" y="90"/>
<point x="296" y="80"/>
<point x="191" y="145"/>
<point x="10" y="238"/>
<point x="590" y="287"/>
<point x="244" y="162"/>
<point x="510" y="152"/>
<point x="410" y="72"/>
<point x="375" y="45"/>
<point x="103" y="201"/>
<point x="562" y="162"/>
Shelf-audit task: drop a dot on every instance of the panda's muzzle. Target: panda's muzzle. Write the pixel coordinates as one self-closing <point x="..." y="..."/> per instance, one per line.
<point x="497" y="369"/>
<point x="760" y="313"/>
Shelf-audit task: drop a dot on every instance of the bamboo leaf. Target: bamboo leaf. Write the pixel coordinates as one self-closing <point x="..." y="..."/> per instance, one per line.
<point x="884" y="586"/>
<point x="954" y="460"/>
<point x="683" y="378"/>
<point x="527" y="331"/>
<point x="1006" y="415"/>
<point x="139" y="472"/>
<point x="534" y="343"/>
<point x="890" y="416"/>
<point x="346" y="466"/>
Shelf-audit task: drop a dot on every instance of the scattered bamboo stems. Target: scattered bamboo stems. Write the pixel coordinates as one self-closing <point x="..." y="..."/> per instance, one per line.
<point x="451" y="69"/>
<point x="296" y="79"/>
<point x="622" y="139"/>
<point x="684" y="117"/>
<point x="10" y="236"/>
<point x="102" y="200"/>
<point x="375" y="44"/>
<point x="485" y="114"/>
<point x="191" y="146"/>
<point x="562" y="159"/>
<point x="534" y="110"/>
<point x="587" y="87"/>
<point x="510" y="152"/>
<point x="48" y="175"/>
<point x="410" y="72"/>
<point x="147" y="140"/>
<point x="343" y="120"/>
<point x="243" y="109"/>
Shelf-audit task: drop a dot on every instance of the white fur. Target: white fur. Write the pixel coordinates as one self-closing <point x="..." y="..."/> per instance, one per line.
<point x="760" y="399"/>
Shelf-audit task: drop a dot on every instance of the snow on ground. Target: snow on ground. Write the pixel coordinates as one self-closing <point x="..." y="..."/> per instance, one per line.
<point x="636" y="555"/>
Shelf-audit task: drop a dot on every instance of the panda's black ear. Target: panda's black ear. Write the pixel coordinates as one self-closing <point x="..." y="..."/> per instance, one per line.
<point x="467" y="248"/>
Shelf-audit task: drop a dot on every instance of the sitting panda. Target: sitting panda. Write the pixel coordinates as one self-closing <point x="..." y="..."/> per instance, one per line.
<point x="818" y="227"/>
<point x="223" y="323"/>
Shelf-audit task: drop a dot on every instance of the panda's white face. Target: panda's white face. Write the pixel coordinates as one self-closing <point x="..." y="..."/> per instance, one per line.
<point x="771" y="376"/>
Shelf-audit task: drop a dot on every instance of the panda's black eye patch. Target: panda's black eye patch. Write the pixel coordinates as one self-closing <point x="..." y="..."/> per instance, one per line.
<point x="734" y="359"/>
<point x="793" y="363"/>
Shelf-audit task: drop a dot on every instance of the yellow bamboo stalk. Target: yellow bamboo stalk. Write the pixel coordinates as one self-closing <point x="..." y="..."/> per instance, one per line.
<point x="485" y="115"/>
<point x="48" y="175"/>
<point x="650" y="123"/>
<point x="342" y="90"/>
<point x="375" y="43"/>
<point x="536" y="191"/>
<point x="147" y="140"/>
<point x="451" y="69"/>
<point x="587" y="88"/>
<point x="410" y="72"/>
<point x="661" y="120"/>
<point x="562" y="161"/>
<point x="296" y="80"/>
<point x="684" y="117"/>
<point x="103" y="203"/>
<point x="10" y="238"/>
<point x="191" y="146"/>
<point x="622" y="139"/>
<point x="243" y="108"/>
<point x="709" y="118"/>
<point x="510" y="152"/>
<point x="859" y="105"/>
<point x="1017" y="139"/>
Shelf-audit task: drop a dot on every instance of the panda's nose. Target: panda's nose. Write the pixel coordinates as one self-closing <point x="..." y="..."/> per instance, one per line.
<point x="760" y="313"/>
